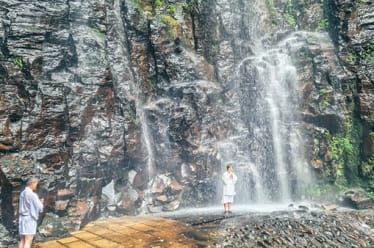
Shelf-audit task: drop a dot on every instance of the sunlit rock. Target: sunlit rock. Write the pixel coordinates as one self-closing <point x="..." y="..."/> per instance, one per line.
<point x="162" y="198"/>
<point x="127" y="199"/>
<point x="329" y="207"/>
<point x="175" y="186"/>
<point x="171" y="206"/>
<point x="158" y="185"/>
<point x="109" y="196"/>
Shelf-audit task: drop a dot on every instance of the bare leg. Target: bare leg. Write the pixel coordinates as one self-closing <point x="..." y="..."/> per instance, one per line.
<point x="28" y="241"/>
<point x="21" y="243"/>
<point x="229" y="205"/>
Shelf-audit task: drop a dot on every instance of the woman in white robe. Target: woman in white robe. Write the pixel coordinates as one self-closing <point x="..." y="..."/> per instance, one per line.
<point x="229" y="181"/>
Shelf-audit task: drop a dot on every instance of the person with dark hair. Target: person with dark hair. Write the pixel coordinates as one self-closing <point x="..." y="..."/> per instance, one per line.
<point x="29" y="208"/>
<point x="229" y="181"/>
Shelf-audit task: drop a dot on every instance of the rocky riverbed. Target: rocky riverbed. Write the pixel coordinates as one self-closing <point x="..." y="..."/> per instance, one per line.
<point x="298" y="227"/>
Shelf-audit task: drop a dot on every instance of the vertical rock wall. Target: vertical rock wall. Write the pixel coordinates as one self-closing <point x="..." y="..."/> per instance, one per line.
<point x="138" y="93"/>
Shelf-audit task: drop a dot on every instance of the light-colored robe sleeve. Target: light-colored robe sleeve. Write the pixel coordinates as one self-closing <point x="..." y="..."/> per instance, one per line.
<point x="36" y="206"/>
<point x="225" y="178"/>
<point x="229" y="184"/>
<point x="235" y="178"/>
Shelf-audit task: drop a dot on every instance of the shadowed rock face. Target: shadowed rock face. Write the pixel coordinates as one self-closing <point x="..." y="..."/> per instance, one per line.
<point x="140" y="94"/>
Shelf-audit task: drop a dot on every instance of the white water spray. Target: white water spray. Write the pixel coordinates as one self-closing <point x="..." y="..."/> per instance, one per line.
<point x="268" y="83"/>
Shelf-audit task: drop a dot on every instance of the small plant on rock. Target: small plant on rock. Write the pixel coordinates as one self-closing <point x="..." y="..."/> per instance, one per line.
<point x="19" y="62"/>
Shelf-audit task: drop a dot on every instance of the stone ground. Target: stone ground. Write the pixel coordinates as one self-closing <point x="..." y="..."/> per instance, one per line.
<point x="127" y="232"/>
<point x="296" y="227"/>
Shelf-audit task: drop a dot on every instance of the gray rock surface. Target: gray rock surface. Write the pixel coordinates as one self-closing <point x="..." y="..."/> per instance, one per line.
<point x="125" y="91"/>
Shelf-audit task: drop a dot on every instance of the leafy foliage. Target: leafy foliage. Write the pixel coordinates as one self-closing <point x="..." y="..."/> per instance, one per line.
<point x="171" y="23"/>
<point x="19" y="62"/>
<point x="271" y="8"/>
<point x="323" y="25"/>
<point x="288" y="15"/>
<point x="346" y="153"/>
<point x="369" y="56"/>
<point x="322" y="192"/>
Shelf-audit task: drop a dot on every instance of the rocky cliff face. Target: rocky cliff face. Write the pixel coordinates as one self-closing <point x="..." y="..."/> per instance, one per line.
<point x="118" y="106"/>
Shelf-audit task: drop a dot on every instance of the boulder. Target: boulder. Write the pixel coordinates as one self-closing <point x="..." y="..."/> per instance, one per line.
<point x="358" y="199"/>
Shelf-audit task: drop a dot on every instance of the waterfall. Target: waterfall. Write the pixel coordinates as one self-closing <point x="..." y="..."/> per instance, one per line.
<point x="127" y="85"/>
<point x="269" y="96"/>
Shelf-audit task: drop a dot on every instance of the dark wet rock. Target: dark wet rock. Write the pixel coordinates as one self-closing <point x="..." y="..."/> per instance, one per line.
<point x="304" y="208"/>
<point x="358" y="199"/>
<point x="6" y="238"/>
<point x="51" y="227"/>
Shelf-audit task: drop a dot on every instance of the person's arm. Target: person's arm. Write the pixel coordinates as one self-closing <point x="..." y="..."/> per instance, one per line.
<point x="36" y="206"/>
<point x="235" y="178"/>
<point x="225" y="178"/>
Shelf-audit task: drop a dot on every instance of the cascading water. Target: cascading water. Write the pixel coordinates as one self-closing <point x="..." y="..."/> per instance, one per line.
<point x="120" y="67"/>
<point x="266" y="143"/>
<point x="267" y="86"/>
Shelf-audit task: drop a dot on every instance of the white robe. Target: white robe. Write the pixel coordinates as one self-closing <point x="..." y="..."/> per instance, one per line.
<point x="229" y="184"/>
<point x="29" y="208"/>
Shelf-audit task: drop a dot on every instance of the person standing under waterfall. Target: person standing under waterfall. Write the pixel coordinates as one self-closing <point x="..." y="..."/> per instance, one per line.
<point x="29" y="208"/>
<point x="229" y="181"/>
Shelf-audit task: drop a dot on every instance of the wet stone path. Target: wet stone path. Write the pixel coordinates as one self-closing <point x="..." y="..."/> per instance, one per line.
<point x="127" y="232"/>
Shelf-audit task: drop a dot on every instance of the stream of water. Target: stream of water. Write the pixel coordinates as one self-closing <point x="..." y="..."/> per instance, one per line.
<point x="269" y="92"/>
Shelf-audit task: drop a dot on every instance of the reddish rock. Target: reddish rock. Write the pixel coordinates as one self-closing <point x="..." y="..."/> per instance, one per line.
<point x="157" y="186"/>
<point x="317" y="164"/>
<point x="63" y="194"/>
<point x="162" y="198"/>
<point x="81" y="208"/>
<point x="175" y="186"/>
<point x="61" y="205"/>
<point x="171" y="206"/>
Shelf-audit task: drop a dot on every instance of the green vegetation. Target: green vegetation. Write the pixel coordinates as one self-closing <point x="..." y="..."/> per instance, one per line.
<point x="306" y="56"/>
<point x="322" y="91"/>
<point x="349" y="87"/>
<point x="289" y="19"/>
<point x="351" y="58"/>
<point x="273" y="13"/>
<point x="342" y="149"/>
<point x="172" y="25"/>
<point x="136" y="4"/>
<point x="346" y="154"/>
<point x="369" y="57"/>
<point x="172" y="9"/>
<point x="19" y="62"/>
<point x="159" y="3"/>
<point x="98" y="32"/>
<point x="368" y="173"/>
<point x="326" y="103"/>
<point x="323" y="25"/>
<point x="371" y="194"/>
<point x="185" y="6"/>
<point x="164" y="11"/>
<point x="322" y="192"/>
<point x="288" y="15"/>
<point x="365" y="1"/>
